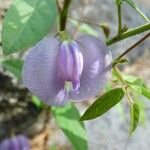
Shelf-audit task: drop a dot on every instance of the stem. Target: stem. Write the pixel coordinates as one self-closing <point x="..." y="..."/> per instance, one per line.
<point x="132" y="47"/>
<point x="124" y="84"/>
<point x="116" y="70"/>
<point x="143" y="15"/>
<point x="128" y="96"/>
<point x="129" y="33"/>
<point x="138" y="10"/>
<point x="58" y="6"/>
<point x="119" y="19"/>
<point x="63" y="15"/>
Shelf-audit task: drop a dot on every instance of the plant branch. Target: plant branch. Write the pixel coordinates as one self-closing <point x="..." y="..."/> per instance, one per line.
<point x="124" y="84"/>
<point x="129" y="33"/>
<point x="132" y="47"/>
<point x="58" y="6"/>
<point x="63" y="15"/>
<point x="119" y="19"/>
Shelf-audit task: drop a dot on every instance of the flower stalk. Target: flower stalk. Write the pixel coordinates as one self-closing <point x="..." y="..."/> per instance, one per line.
<point x="124" y="84"/>
<point x="63" y="15"/>
<point x="119" y="18"/>
<point x="131" y="48"/>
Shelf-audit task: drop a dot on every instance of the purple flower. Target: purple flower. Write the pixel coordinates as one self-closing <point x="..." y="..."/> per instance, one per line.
<point x="58" y="71"/>
<point x="19" y="142"/>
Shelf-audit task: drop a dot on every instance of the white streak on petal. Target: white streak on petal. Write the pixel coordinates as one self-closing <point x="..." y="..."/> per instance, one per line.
<point x="95" y="68"/>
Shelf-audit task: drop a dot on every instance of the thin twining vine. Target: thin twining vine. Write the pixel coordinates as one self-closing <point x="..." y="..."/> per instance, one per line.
<point x="117" y="71"/>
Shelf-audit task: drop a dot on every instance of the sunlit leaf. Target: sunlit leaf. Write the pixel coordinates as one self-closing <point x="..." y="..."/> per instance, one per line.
<point x="135" y="83"/>
<point x="146" y="92"/>
<point x="14" y="66"/>
<point x="142" y="117"/>
<point x="103" y="104"/>
<point x="26" y="22"/>
<point x="137" y="89"/>
<point x="67" y="118"/>
<point x="36" y="101"/>
<point x="134" y="117"/>
<point x="132" y="79"/>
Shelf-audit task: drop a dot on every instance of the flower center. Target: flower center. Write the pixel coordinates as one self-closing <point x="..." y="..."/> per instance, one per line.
<point x="70" y="66"/>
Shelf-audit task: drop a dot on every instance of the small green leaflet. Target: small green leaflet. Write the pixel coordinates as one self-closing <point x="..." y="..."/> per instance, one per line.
<point x="132" y="4"/>
<point x="143" y="115"/>
<point x="14" y="66"/>
<point x="146" y="92"/>
<point x="135" y="83"/>
<point x="103" y="104"/>
<point x="67" y="118"/>
<point x="27" y="22"/>
<point x="134" y="117"/>
<point x="36" y="101"/>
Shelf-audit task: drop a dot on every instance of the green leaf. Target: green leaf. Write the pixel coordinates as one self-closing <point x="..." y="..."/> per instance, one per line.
<point x="67" y="118"/>
<point x="142" y="116"/>
<point x="135" y="83"/>
<point x="137" y="88"/>
<point x="103" y="104"/>
<point x="14" y="66"/>
<point x="27" y="22"/>
<point x="36" y="101"/>
<point x="138" y="82"/>
<point x="132" y="4"/>
<point x="132" y="79"/>
<point x="146" y="92"/>
<point x="134" y="117"/>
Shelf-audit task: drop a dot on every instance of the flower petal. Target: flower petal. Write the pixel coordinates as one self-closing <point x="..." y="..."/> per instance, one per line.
<point x="4" y="144"/>
<point x="96" y="64"/>
<point x="14" y="144"/>
<point x="23" y="142"/>
<point x="40" y="71"/>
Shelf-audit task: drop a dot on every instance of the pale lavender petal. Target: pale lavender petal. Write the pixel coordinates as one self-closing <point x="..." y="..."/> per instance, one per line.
<point x="23" y="142"/>
<point x="70" y="62"/>
<point x="40" y="71"/>
<point x="96" y="64"/>
<point x="4" y="145"/>
<point x="14" y="144"/>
